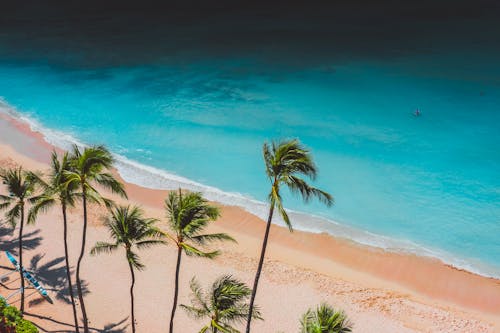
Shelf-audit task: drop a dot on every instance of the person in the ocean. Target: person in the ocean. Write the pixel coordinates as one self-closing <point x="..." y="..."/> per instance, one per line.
<point x="416" y="113"/>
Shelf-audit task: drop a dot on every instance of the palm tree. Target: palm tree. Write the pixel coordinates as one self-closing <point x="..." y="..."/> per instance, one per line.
<point x="21" y="186"/>
<point x="55" y="192"/>
<point x="129" y="229"/>
<point x="90" y="168"/>
<point x="189" y="215"/>
<point x="223" y="305"/>
<point x="285" y="162"/>
<point x="325" y="319"/>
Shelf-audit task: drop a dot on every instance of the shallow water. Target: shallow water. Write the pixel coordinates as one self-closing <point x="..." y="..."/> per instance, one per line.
<point x="198" y="100"/>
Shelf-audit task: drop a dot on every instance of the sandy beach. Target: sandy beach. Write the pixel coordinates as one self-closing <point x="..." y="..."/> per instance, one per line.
<point x="380" y="291"/>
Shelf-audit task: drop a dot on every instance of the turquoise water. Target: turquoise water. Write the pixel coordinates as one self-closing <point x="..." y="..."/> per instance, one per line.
<point x="427" y="184"/>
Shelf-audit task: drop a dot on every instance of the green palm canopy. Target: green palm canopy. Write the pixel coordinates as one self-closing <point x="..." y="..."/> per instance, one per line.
<point x="325" y="319"/>
<point x="129" y="229"/>
<point x="224" y="305"/>
<point x="188" y="217"/>
<point x="21" y="186"/>
<point x="55" y="192"/>
<point x="286" y="163"/>
<point x="90" y="169"/>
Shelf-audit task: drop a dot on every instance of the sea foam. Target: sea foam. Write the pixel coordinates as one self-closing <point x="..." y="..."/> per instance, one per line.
<point x="150" y="177"/>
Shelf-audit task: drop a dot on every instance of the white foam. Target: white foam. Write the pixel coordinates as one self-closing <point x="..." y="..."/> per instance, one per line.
<point x="154" y="178"/>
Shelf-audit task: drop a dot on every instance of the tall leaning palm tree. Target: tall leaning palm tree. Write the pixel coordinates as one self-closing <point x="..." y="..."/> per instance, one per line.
<point x="129" y="228"/>
<point x="286" y="162"/>
<point x="56" y="193"/>
<point x="189" y="215"/>
<point x="325" y="319"/>
<point x="21" y="186"/>
<point x="224" y="304"/>
<point x="90" y="168"/>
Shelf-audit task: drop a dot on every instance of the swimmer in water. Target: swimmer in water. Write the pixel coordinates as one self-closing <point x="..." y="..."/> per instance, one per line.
<point x="416" y="113"/>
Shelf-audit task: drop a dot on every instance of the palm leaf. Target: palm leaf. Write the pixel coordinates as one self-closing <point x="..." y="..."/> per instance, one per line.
<point x="149" y="243"/>
<point x="133" y="259"/>
<point x="325" y="319"/>
<point x="109" y="182"/>
<point x="12" y="215"/>
<point x="192" y="251"/>
<point x="103" y="247"/>
<point x="129" y="228"/>
<point x="225" y="304"/>
<point x="208" y="238"/>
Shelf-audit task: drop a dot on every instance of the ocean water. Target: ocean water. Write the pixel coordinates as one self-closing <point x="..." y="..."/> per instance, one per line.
<point x="187" y="99"/>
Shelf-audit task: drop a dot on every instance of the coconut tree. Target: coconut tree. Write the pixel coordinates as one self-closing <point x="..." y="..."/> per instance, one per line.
<point x="21" y="186"/>
<point x="188" y="216"/>
<point x="325" y="319"/>
<point x="129" y="229"/>
<point x="55" y="192"/>
<point x="89" y="169"/>
<point x="224" y="305"/>
<point x="285" y="163"/>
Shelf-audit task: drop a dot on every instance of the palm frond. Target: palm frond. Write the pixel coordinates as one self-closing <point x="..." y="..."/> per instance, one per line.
<point x="268" y="160"/>
<point x="6" y="199"/>
<point x="189" y="215"/>
<point x="89" y="166"/>
<point x="208" y="238"/>
<point x="149" y="243"/>
<point x="277" y="201"/>
<point x="285" y="162"/>
<point x="224" y="304"/>
<point x="129" y="228"/>
<point x="41" y="205"/>
<point x="298" y="185"/>
<point x="325" y="319"/>
<point x="12" y="215"/>
<point x="109" y="182"/>
<point x="239" y="313"/>
<point x="194" y="312"/>
<point x="4" y="205"/>
<point x="194" y="252"/>
<point x="134" y="260"/>
<point x="204" y="329"/>
<point x="198" y="297"/>
<point x="223" y="328"/>
<point x="103" y="247"/>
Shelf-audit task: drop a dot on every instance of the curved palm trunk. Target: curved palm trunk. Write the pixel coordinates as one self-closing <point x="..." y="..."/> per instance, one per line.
<point x="176" y="292"/>
<point x="259" y="268"/>
<point x="21" y="227"/>
<point x="82" y="252"/>
<point x="68" y="273"/>
<point x="132" y="296"/>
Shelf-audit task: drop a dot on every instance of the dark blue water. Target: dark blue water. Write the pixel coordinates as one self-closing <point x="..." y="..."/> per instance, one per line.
<point x="186" y="95"/>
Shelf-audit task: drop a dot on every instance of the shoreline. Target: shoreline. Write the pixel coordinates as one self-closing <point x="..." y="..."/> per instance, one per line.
<point x="404" y="276"/>
<point x="128" y="170"/>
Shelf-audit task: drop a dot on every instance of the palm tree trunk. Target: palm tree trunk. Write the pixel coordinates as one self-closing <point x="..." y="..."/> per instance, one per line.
<point x="132" y="296"/>
<point x="82" y="252"/>
<point x="21" y="227"/>
<point x="68" y="273"/>
<point x="176" y="291"/>
<point x="259" y="268"/>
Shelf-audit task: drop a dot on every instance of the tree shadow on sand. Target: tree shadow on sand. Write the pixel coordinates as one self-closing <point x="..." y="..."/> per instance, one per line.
<point x="9" y="242"/>
<point x="52" y="275"/>
<point x="31" y="240"/>
<point x="119" y="327"/>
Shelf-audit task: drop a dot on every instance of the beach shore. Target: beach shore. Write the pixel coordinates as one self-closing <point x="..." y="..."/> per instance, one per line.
<point x="380" y="291"/>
